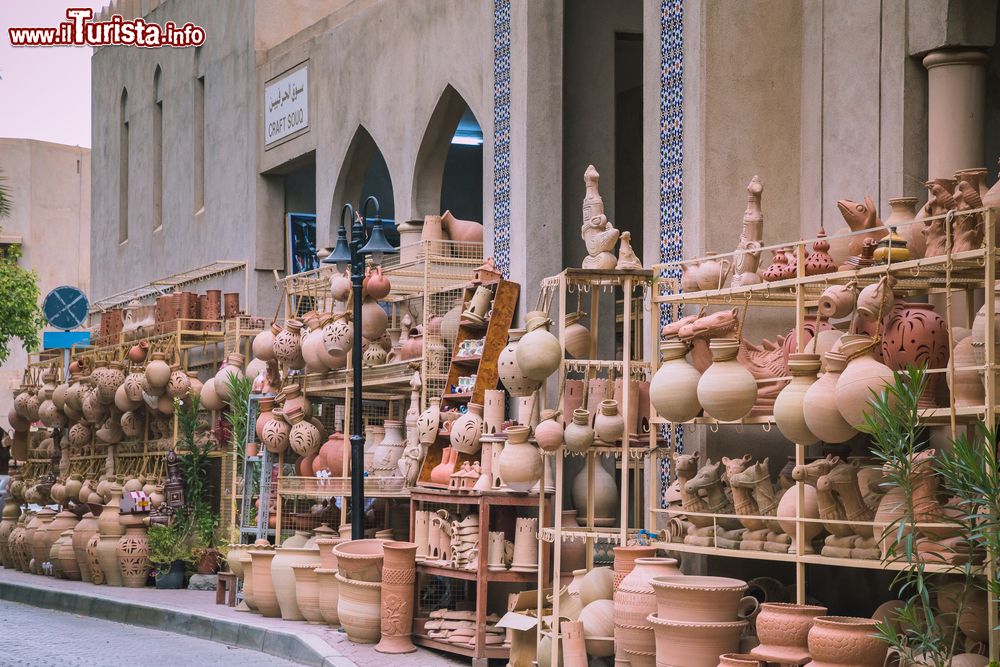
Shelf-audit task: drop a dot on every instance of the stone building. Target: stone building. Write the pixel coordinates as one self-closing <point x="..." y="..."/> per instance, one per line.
<point x="50" y="190"/>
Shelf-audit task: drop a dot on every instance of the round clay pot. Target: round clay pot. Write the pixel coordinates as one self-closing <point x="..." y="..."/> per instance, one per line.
<point x="783" y="631"/>
<point x="810" y="510"/>
<point x="700" y="642"/>
<point x="374" y="320"/>
<point x="307" y="591"/>
<point x="520" y="462"/>
<point x="727" y="390"/>
<point x="605" y="491"/>
<point x="158" y="372"/>
<point x="332" y="453"/>
<point x="429" y="423"/>
<point x="264" y="596"/>
<point x="597" y="618"/>
<point x="862" y="376"/>
<point x="579" y="436"/>
<point x="67" y="566"/>
<point x="916" y="335"/>
<point x="576" y="337"/>
<point x="276" y="431"/>
<point x="210" y="399"/>
<point x="843" y="641"/>
<point x="819" y="407"/>
<point x="538" y="352"/>
<point x="837" y="301"/>
<point x="635" y="600"/>
<point x="231" y="368"/>
<point x="789" y="405"/>
<point x="359" y="608"/>
<point x="701" y="599"/>
<point x="609" y="425"/>
<point x="264" y="407"/>
<point x="283" y="578"/>
<point x="303" y="436"/>
<point x="263" y="343"/>
<point x="467" y="429"/>
<point x="596" y="584"/>
<point x="673" y="391"/>
<point x="11" y="513"/>
<point x="549" y="432"/>
<point x="513" y="378"/>
<point x="360" y="560"/>
<point x="287" y="344"/>
<point x="133" y="551"/>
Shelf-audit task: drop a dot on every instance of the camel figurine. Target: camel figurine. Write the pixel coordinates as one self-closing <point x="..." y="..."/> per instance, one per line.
<point x="709" y="479"/>
<point x="943" y="543"/>
<point x="842" y="538"/>
<point x="747" y="258"/>
<point x="842" y="482"/>
<point x="859" y="216"/>
<point x="700" y="530"/>
<point x="599" y="235"/>
<point x="765" y="535"/>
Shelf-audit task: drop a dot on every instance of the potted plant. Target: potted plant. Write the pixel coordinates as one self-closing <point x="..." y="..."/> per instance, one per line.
<point x="205" y="541"/>
<point x="169" y="554"/>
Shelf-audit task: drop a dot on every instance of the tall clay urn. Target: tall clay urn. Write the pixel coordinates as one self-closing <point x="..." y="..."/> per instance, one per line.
<point x="726" y="390"/>
<point x="398" y="580"/>
<point x="111" y="531"/>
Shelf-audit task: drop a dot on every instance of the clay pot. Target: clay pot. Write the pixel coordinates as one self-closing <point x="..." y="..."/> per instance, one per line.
<point x="157" y="372"/>
<point x="338" y="336"/>
<point x="341" y="286"/>
<point x="332" y="454"/>
<point x="711" y="272"/>
<point x="595" y="584"/>
<point x="377" y="285"/>
<point x="133" y="551"/>
<point x="579" y="436"/>
<point x="967" y="387"/>
<point x="11" y="513"/>
<point x="699" y="643"/>
<point x="288" y="344"/>
<point x="635" y="600"/>
<point x="605" y="491"/>
<point x="360" y="560"/>
<point x="597" y="618"/>
<point x="789" y="405"/>
<point x="283" y="578"/>
<point x="904" y="210"/>
<point x="65" y="564"/>
<point x="549" y="432"/>
<point x="264" y="596"/>
<point x="517" y="383"/>
<point x="624" y="560"/>
<point x="276" y="431"/>
<point x="837" y="301"/>
<point x="843" y="641"/>
<point x="862" y="376"/>
<point x="398" y="581"/>
<point x="520" y="462"/>
<point x="359" y="607"/>
<point x="263" y="343"/>
<point x="467" y="429"/>
<point x="726" y="390"/>
<point x="874" y="299"/>
<point x="673" y="391"/>
<point x="819" y="407"/>
<point x="209" y="397"/>
<point x="699" y="599"/>
<point x="465" y="231"/>
<point x="739" y="660"/>
<point x="783" y="631"/>
<point x="374" y="320"/>
<point x="329" y="594"/>
<point x="538" y="352"/>
<point x="576" y="337"/>
<point x="303" y="436"/>
<point x="609" y="425"/>
<point x="810" y="510"/>
<point x="264" y="407"/>
<point x="111" y="531"/>
<point x="307" y="591"/>
<point x="916" y="335"/>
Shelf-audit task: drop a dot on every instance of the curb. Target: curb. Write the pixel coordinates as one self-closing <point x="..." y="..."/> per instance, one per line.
<point x="303" y="649"/>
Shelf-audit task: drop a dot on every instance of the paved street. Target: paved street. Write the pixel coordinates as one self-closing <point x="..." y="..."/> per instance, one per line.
<point x="33" y="636"/>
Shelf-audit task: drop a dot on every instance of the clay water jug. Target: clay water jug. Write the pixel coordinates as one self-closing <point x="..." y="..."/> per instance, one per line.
<point x="538" y="352"/>
<point x="520" y="462"/>
<point x="673" y="390"/>
<point x="790" y="403"/>
<point x="302" y="435"/>
<point x="157" y="372"/>
<point x="231" y="368"/>
<point x="579" y="435"/>
<point x="916" y="335"/>
<point x="549" y="432"/>
<point x="377" y="285"/>
<point x="605" y="492"/>
<point x="726" y="390"/>
<point x="467" y="429"/>
<point x="374" y="320"/>
<point x="819" y="407"/>
<point x="263" y="343"/>
<point x="517" y="383"/>
<point x="863" y="376"/>
<point x="712" y="272"/>
<point x="609" y="425"/>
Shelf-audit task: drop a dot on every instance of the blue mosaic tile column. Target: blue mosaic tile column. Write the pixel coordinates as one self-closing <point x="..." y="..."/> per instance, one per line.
<point x="501" y="135"/>
<point x="671" y="160"/>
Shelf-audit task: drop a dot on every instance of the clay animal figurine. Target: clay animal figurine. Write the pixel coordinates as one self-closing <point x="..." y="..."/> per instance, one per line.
<point x="747" y="258"/>
<point x="939" y="203"/>
<point x="627" y="260"/>
<point x="708" y="481"/>
<point x="859" y="216"/>
<point x="699" y="530"/>
<point x="765" y="535"/>
<point x="599" y="235"/>
<point x="967" y="230"/>
<point x="842" y="482"/>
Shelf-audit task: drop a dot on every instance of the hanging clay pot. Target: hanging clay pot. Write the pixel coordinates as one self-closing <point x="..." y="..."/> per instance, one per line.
<point x="158" y="372"/>
<point x="517" y="383"/>
<point x="263" y="343"/>
<point x="576" y="337"/>
<point x="303" y="436"/>
<point x="467" y="429"/>
<point x="376" y="284"/>
<point x="429" y="423"/>
<point x="790" y="402"/>
<point x="726" y="390"/>
<point x="340" y="286"/>
<point x="819" y="407"/>
<point x="538" y="352"/>
<point x="609" y="425"/>
<point x="209" y="397"/>
<point x="916" y="335"/>
<point x="374" y="320"/>
<point x="520" y="462"/>
<point x="338" y="338"/>
<point x="842" y="641"/>
<point x="837" y="301"/>
<point x="783" y="631"/>
<point x="579" y="436"/>
<point x="549" y="432"/>
<point x="288" y="344"/>
<point x="605" y="491"/>
<point x="673" y="391"/>
<point x="276" y="432"/>
<point x="862" y="377"/>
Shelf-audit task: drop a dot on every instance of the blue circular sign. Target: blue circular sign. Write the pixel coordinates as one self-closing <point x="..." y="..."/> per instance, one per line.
<point x="65" y="307"/>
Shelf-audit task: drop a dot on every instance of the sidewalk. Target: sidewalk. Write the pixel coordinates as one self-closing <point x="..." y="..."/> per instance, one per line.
<point x="195" y="613"/>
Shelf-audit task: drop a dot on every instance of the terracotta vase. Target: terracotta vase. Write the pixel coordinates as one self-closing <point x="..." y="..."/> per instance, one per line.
<point x="635" y="600"/>
<point x="579" y="436"/>
<point x="549" y="432"/>
<point x="66" y="565"/>
<point x="157" y="372"/>
<point x="916" y="335"/>
<point x="609" y="425"/>
<point x="360" y="560"/>
<point x="374" y="320"/>
<point x="698" y="643"/>
<point x="111" y="531"/>
<point x="389" y="449"/>
<point x="625" y="558"/>
<point x="398" y="581"/>
<point x="697" y="599"/>
<point x="359" y="606"/>
<point x="819" y="406"/>
<point x="11" y="513"/>
<point x="862" y="376"/>
<point x="514" y="379"/>
<point x="810" y="510"/>
<point x="967" y="386"/>
<point x="467" y="429"/>
<point x="328" y="595"/>
<point x="307" y="591"/>
<point x="673" y="390"/>
<point x="842" y="641"/>
<point x="789" y="406"/>
<point x="287" y="344"/>
<point x="783" y="631"/>
<point x="429" y="423"/>
<point x="538" y="352"/>
<point x="726" y="390"/>
<point x="283" y="578"/>
<point x="441" y="473"/>
<point x="133" y="551"/>
<point x="904" y="210"/>
<point x="276" y="431"/>
<point x="303" y="436"/>
<point x="605" y="491"/>
<point x="520" y="462"/>
<point x="264" y="596"/>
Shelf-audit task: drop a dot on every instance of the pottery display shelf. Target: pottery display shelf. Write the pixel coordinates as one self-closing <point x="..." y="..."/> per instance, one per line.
<point x="960" y="273"/>
<point x="487" y="504"/>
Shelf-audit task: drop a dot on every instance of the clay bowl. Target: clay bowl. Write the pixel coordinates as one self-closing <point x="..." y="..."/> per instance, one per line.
<point x="698" y="599"/>
<point x="845" y="640"/>
<point x="783" y="631"/>
<point x="360" y="560"/>
<point x="701" y="643"/>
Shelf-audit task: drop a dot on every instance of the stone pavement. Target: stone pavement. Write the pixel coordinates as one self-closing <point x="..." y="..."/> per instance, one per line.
<point x="194" y="613"/>
<point x="33" y="636"/>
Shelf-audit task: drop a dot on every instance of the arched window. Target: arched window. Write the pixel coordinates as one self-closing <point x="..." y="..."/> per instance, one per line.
<point x="363" y="173"/>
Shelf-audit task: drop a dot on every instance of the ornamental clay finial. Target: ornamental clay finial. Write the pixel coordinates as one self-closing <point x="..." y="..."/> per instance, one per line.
<point x="599" y="235"/>
<point x="747" y="258"/>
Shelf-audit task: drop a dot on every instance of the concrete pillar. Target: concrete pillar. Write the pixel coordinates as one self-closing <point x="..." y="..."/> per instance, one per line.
<point x="956" y="91"/>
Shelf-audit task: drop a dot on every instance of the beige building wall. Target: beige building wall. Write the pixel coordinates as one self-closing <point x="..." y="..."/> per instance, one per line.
<point x="50" y="192"/>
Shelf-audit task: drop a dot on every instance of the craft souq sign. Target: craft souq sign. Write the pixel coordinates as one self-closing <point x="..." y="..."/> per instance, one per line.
<point x="286" y="105"/>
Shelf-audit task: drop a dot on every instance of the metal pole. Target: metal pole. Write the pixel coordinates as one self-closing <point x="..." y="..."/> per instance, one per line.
<point x="357" y="436"/>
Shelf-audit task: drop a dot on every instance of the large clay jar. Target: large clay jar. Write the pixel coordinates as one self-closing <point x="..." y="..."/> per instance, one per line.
<point x="605" y="492"/>
<point x="360" y="560"/>
<point x="789" y="405"/>
<point x="389" y="450"/>
<point x="264" y="407"/>
<point x="843" y="641"/>
<point x="133" y="551"/>
<point x="625" y="558"/>
<point x="84" y="530"/>
<point x="635" y="600"/>
<point x="65" y="562"/>
<point x="429" y="423"/>
<point x="726" y="390"/>
<point x="264" y="595"/>
<point x="699" y="642"/>
<point x="579" y="435"/>
<point x="374" y="320"/>
<point x="574" y="552"/>
<point x="673" y="391"/>
<point x="329" y="595"/>
<point x="157" y="373"/>
<point x="783" y="631"/>
<point x="517" y="383"/>
<point x="303" y="436"/>
<point x="283" y="578"/>
<point x="288" y="344"/>
<point x="307" y="591"/>
<point x="111" y="531"/>
<point x="398" y="580"/>
<point x="609" y="425"/>
<point x="359" y="606"/>
<point x="819" y="406"/>
<point x="863" y="376"/>
<point x="520" y="462"/>
<point x="810" y="510"/>
<point x="332" y="453"/>
<point x="467" y="429"/>
<point x="702" y="599"/>
<point x="263" y="343"/>
<point x="231" y="368"/>
<point x="916" y="335"/>
<point x="11" y="513"/>
<point x="538" y="352"/>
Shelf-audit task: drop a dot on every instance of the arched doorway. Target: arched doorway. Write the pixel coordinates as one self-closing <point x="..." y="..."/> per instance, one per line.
<point x="363" y="173"/>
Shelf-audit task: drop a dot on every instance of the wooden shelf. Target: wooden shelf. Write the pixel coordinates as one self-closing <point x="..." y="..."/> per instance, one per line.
<point x="489" y="652"/>
<point x="471" y="575"/>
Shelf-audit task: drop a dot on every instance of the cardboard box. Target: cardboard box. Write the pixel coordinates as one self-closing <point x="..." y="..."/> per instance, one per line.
<point x="522" y="621"/>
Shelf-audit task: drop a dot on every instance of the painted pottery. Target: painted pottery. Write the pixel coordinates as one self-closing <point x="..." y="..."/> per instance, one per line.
<point x="520" y="462"/>
<point x="579" y="436"/>
<point x="789" y="405"/>
<point x="398" y="581"/>
<point x="605" y="491"/>
<point x="843" y="641"/>
<point x="467" y="429"/>
<point x="694" y="643"/>
<point x="359" y="606"/>
<point x="783" y="631"/>
<point x="538" y="353"/>
<point x="673" y="391"/>
<point x="429" y="423"/>
<point x="819" y="406"/>
<point x="726" y="390"/>
<point x="514" y="379"/>
<point x="862" y="376"/>
<point x="307" y="591"/>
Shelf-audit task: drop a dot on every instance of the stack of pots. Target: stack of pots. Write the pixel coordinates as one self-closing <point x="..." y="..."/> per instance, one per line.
<point x="696" y="619"/>
<point x="359" y="582"/>
<point x="635" y="600"/>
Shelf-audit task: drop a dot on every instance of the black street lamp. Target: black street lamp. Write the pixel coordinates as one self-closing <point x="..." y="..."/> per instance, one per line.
<point x="354" y="254"/>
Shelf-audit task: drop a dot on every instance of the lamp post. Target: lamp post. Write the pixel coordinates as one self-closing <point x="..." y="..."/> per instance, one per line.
<point x="353" y="254"/>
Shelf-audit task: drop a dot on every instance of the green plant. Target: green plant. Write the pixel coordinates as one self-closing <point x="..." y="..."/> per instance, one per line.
<point x="237" y="415"/>
<point x="168" y="544"/>
<point x="193" y="457"/>
<point x="20" y="315"/>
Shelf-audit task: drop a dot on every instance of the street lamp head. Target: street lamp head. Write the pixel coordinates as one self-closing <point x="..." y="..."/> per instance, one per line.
<point x="341" y="255"/>
<point x="378" y="245"/>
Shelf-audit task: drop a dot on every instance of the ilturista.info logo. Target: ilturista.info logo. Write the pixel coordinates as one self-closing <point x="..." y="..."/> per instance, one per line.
<point x="81" y="30"/>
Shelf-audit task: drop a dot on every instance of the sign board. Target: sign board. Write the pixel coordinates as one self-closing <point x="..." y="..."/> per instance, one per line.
<point x="65" y="307"/>
<point x="64" y="340"/>
<point x="286" y="105"/>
